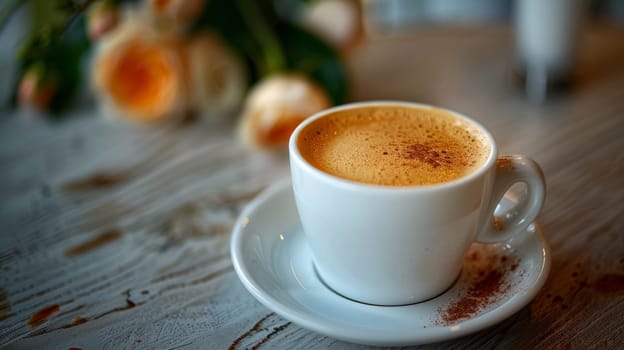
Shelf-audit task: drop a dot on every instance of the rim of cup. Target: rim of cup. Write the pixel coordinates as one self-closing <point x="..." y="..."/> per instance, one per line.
<point x="343" y="183"/>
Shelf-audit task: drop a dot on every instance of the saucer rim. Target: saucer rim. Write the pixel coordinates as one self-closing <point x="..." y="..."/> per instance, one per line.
<point x="372" y="336"/>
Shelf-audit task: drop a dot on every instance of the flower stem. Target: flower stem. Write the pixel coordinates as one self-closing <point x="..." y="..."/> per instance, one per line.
<point x="273" y="55"/>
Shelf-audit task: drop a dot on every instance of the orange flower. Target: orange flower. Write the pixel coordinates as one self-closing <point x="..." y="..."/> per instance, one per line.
<point x="138" y="74"/>
<point x="35" y="89"/>
<point x="178" y="10"/>
<point x="276" y="105"/>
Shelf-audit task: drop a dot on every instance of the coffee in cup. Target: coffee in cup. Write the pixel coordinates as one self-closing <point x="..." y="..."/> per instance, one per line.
<point x="394" y="146"/>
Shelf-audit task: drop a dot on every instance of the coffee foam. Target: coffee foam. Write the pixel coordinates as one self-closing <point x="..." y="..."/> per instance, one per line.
<point x="394" y="145"/>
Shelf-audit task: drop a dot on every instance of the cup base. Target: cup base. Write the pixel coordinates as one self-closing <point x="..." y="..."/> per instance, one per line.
<point x="320" y="278"/>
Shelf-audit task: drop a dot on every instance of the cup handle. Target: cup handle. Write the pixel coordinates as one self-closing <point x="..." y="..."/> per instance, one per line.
<point x="509" y="171"/>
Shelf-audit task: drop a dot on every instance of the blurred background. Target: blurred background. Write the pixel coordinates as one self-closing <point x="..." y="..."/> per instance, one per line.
<point x="154" y="61"/>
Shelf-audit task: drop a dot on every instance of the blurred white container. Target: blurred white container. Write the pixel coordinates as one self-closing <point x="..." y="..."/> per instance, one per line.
<point x="547" y="35"/>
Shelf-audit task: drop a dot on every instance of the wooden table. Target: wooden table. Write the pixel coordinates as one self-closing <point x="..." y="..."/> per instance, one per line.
<point x="117" y="237"/>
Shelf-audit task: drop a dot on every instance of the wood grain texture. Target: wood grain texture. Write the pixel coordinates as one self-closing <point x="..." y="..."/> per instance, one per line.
<point x="121" y="234"/>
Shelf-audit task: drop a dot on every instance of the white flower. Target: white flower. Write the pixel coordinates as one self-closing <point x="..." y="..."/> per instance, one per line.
<point x="216" y="75"/>
<point x="336" y="21"/>
<point x="102" y="18"/>
<point x="276" y="105"/>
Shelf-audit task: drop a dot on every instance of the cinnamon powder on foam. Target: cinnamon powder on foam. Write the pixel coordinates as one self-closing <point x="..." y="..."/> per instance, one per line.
<point x="394" y="146"/>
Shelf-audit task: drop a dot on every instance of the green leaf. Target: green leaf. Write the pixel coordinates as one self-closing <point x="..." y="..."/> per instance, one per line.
<point x="308" y="54"/>
<point x="270" y="45"/>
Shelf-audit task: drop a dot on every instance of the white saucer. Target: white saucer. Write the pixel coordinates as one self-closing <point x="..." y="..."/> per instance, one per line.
<point x="274" y="263"/>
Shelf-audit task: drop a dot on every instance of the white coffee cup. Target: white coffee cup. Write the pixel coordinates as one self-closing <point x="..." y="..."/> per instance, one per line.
<point x="388" y="245"/>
